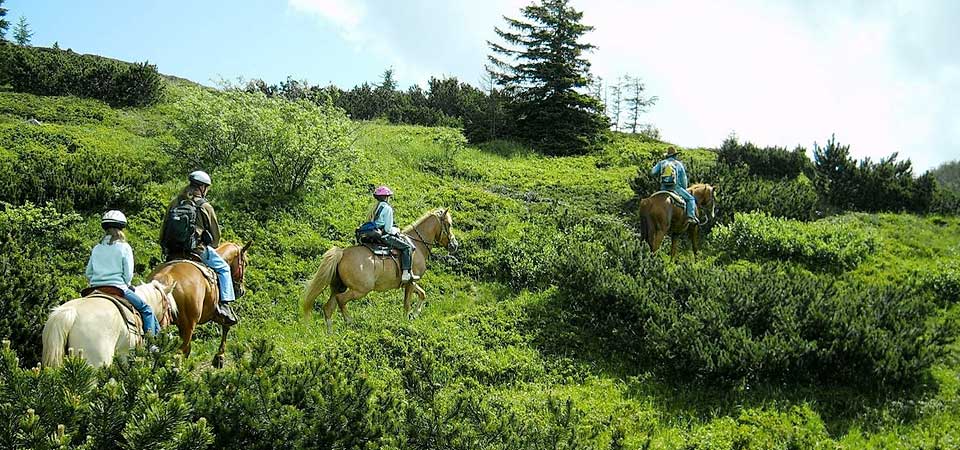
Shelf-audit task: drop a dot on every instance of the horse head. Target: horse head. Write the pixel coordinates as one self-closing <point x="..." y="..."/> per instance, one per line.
<point x="446" y="237"/>
<point x="236" y="256"/>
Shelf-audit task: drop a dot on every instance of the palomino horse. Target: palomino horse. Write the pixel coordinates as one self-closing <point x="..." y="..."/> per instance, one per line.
<point x="661" y="215"/>
<point x="353" y="272"/>
<point x="196" y="298"/>
<point x="97" y="330"/>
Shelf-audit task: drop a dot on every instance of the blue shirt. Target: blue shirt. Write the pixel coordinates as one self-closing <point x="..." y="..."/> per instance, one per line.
<point x="110" y="264"/>
<point x="384" y="220"/>
<point x="681" y="170"/>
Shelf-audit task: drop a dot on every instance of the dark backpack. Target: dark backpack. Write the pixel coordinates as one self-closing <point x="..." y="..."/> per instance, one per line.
<point x="180" y="235"/>
<point x="369" y="232"/>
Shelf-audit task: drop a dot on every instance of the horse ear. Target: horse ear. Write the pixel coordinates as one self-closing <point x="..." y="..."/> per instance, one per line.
<point x="246" y="247"/>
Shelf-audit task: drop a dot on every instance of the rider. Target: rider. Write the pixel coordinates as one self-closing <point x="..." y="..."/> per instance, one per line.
<point x="673" y="178"/>
<point x="208" y="231"/>
<point x="111" y="264"/>
<point x="382" y="216"/>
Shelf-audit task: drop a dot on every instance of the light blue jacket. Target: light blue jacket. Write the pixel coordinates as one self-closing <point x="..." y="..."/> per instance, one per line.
<point x="384" y="220"/>
<point x="681" y="171"/>
<point x="110" y="264"/>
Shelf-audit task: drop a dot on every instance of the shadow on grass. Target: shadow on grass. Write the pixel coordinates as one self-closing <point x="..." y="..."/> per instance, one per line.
<point x="567" y="334"/>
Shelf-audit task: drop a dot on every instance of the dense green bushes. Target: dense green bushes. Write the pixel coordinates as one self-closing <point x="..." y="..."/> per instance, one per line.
<point x="826" y="245"/>
<point x="772" y="163"/>
<point x="755" y="322"/>
<point x="151" y="401"/>
<point x="34" y="247"/>
<point x="49" y="71"/>
<point x="269" y="149"/>
<point x="48" y="163"/>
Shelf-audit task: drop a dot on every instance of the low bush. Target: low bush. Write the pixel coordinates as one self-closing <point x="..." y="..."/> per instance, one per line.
<point x="51" y="71"/>
<point x="33" y="247"/>
<point x="52" y="164"/>
<point x="775" y="322"/>
<point x="66" y="110"/>
<point x="772" y="163"/>
<point x="738" y="191"/>
<point x="826" y="245"/>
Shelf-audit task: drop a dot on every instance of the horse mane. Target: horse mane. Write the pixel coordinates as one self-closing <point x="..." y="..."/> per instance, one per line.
<point x="425" y="216"/>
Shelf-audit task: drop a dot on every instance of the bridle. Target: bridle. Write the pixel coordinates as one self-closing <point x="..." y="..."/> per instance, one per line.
<point x="444" y="231"/>
<point x="237" y="275"/>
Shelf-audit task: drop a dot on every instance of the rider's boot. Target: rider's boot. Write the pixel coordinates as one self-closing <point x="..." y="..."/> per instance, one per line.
<point x="225" y="311"/>
<point x="408" y="276"/>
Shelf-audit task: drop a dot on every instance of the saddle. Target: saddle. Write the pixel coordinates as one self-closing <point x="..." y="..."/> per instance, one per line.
<point x="208" y="273"/>
<point x="676" y="198"/>
<point x="115" y="295"/>
<point x="381" y="250"/>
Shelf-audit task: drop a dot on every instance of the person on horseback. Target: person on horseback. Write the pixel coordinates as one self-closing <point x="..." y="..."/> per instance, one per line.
<point x="673" y="178"/>
<point x="382" y="216"/>
<point x="111" y="265"/>
<point x="190" y="229"/>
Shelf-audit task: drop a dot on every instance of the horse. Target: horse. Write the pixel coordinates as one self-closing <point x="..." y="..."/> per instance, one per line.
<point x="196" y="297"/>
<point x="95" y="327"/>
<point x="353" y="272"/>
<point x="660" y="215"/>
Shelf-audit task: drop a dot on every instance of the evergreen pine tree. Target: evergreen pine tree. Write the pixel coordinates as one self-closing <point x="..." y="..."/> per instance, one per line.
<point x="22" y="33"/>
<point x="616" y="106"/>
<point x="636" y="102"/>
<point x="543" y="70"/>
<point x="4" y="24"/>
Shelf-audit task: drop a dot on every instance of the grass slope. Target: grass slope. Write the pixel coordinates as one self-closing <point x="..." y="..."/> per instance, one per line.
<point x="516" y="346"/>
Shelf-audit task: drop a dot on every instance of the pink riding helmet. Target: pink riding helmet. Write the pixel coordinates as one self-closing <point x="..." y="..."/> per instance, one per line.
<point x="383" y="190"/>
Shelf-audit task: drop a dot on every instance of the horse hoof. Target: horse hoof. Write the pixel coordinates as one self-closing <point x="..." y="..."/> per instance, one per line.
<point x="218" y="361"/>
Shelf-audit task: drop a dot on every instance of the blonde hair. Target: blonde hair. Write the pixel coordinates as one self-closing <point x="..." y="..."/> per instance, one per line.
<point x="116" y="234"/>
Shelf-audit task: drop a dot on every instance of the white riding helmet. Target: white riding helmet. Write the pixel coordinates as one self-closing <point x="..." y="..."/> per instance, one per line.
<point x="199" y="177"/>
<point x="113" y="219"/>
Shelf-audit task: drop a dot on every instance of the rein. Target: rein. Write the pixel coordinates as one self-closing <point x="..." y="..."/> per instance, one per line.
<point x="430" y="245"/>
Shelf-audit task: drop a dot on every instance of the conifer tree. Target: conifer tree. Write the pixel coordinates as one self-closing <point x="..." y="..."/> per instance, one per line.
<point x="22" y="33"/>
<point x="543" y="70"/>
<point x="4" y="24"/>
<point x="616" y="105"/>
<point x="636" y="102"/>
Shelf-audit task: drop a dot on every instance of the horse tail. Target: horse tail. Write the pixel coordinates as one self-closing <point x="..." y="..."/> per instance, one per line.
<point x="646" y="224"/>
<point x="321" y="279"/>
<point x="55" y="333"/>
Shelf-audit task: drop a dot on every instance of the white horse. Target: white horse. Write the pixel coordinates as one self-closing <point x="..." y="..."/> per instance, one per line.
<point x="94" y="326"/>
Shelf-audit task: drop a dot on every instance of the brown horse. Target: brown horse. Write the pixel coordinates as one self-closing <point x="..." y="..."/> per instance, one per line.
<point x="354" y="272"/>
<point x="661" y="215"/>
<point x="196" y="298"/>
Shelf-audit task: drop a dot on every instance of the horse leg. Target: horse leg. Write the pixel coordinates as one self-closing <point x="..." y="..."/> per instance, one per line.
<point x="423" y="297"/>
<point x="657" y="240"/>
<point x="328" y="310"/>
<point x="219" y="359"/>
<point x="407" y="290"/>
<point x="694" y="233"/>
<point x="186" y="334"/>
<point x="343" y="298"/>
<point x="673" y="246"/>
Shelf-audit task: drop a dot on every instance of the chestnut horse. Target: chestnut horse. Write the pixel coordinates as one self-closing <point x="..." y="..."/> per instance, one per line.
<point x="196" y="298"/>
<point x="661" y="215"/>
<point x="353" y="272"/>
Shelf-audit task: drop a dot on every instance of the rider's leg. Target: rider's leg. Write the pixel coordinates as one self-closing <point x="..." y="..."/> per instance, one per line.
<point x="150" y="325"/>
<point x="213" y="260"/>
<point x="406" y="255"/>
<point x="690" y="200"/>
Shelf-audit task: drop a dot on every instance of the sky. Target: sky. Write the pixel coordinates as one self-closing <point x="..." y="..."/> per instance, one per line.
<point x="883" y="76"/>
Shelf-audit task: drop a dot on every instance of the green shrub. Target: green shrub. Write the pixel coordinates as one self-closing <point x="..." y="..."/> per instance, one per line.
<point x="825" y="245"/>
<point x="33" y="243"/>
<point x="67" y="110"/>
<point x="773" y="163"/>
<point x="757" y="323"/>
<point x="47" y="163"/>
<point x="50" y="71"/>
<point x="269" y="148"/>
<point x="738" y="191"/>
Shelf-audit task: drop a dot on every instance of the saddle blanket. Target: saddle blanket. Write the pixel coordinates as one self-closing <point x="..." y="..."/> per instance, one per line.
<point x="678" y="200"/>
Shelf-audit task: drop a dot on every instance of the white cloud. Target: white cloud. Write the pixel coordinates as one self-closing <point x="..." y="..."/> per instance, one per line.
<point x="778" y="74"/>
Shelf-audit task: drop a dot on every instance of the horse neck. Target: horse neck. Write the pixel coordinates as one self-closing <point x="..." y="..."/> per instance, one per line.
<point x="152" y="296"/>
<point x="425" y="230"/>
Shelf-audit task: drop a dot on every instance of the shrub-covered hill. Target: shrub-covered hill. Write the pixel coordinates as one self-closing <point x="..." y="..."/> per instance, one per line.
<point x="552" y="327"/>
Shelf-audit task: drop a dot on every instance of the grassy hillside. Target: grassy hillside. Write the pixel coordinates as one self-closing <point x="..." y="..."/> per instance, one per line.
<point x="495" y="325"/>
